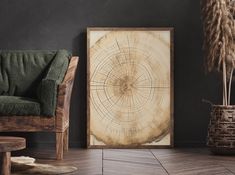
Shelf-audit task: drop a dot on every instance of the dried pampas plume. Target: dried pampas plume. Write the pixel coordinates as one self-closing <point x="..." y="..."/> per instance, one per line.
<point x="219" y="34"/>
<point x="218" y="25"/>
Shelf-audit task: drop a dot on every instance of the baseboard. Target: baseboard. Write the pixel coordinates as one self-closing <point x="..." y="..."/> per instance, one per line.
<point x="77" y="144"/>
<point x="190" y="143"/>
<point x="52" y="144"/>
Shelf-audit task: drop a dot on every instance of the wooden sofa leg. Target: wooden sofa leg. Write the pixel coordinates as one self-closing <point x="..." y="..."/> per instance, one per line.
<point x="66" y="140"/>
<point x="6" y="163"/>
<point x="59" y="145"/>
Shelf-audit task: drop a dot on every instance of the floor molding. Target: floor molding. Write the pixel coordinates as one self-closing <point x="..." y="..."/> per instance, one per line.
<point x="76" y="144"/>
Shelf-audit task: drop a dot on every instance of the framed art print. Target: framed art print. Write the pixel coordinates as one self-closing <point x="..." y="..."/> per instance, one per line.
<point x="130" y="87"/>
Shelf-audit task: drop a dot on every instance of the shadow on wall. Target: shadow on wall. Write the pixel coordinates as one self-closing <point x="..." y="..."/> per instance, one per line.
<point x="78" y="101"/>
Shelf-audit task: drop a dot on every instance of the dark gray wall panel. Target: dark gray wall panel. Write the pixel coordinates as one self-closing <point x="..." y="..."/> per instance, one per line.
<point x="55" y="24"/>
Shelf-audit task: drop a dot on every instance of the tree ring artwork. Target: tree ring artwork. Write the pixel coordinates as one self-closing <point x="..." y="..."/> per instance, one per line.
<point x="129" y="79"/>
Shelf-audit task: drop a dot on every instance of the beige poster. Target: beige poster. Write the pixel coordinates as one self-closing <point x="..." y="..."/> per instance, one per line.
<point x="130" y="87"/>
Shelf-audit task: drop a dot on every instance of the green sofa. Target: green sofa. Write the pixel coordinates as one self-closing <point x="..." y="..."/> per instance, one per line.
<point x="29" y="80"/>
<point x="33" y="91"/>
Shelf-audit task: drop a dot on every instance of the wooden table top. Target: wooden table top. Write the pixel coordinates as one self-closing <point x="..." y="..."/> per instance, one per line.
<point x="8" y="144"/>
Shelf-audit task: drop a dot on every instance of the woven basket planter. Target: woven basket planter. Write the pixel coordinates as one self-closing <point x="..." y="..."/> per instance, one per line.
<point x="221" y="130"/>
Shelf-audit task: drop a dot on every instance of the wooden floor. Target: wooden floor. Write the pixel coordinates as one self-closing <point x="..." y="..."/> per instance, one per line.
<point x="141" y="162"/>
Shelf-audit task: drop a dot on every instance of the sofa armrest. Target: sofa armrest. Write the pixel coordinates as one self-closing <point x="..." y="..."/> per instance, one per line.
<point x="70" y="74"/>
<point x="58" y="66"/>
<point x="47" y="96"/>
<point x="64" y="96"/>
<point x="47" y="90"/>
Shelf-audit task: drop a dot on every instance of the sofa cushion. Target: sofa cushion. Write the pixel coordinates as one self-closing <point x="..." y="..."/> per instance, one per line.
<point x="47" y="95"/>
<point x="13" y="105"/>
<point x="58" y="66"/>
<point x="33" y="74"/>
<point x="22" y="71"/>
<point x="47" y="90"/>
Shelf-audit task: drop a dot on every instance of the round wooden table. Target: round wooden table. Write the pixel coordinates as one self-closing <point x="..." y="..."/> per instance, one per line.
<point x="8" y="144"/>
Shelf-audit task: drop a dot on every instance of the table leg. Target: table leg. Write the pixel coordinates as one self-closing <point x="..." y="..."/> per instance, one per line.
<point x="6" y="163"/>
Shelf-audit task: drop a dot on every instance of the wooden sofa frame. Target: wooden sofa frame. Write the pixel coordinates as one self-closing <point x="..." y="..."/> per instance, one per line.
<point x="58" y="123"/>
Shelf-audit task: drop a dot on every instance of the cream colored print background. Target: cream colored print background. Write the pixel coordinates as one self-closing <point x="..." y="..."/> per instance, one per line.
<point x="129" y="88"/>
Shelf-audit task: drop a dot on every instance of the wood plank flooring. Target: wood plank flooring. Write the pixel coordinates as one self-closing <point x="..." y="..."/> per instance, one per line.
<point x="192" y="161"/>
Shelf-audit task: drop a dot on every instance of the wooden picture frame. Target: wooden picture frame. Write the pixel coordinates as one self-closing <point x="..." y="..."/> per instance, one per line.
<point x="103" y="36"/>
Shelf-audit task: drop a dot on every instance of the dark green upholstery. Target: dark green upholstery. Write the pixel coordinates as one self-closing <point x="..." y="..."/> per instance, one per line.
<point x="21" y="71"/>
<point x="33" y="74"/>
<point x="13" y="105"/>
<point x="48" y="87"/>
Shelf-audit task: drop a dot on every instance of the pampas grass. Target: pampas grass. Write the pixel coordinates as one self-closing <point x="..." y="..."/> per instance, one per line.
<point x="219" y="34"/>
